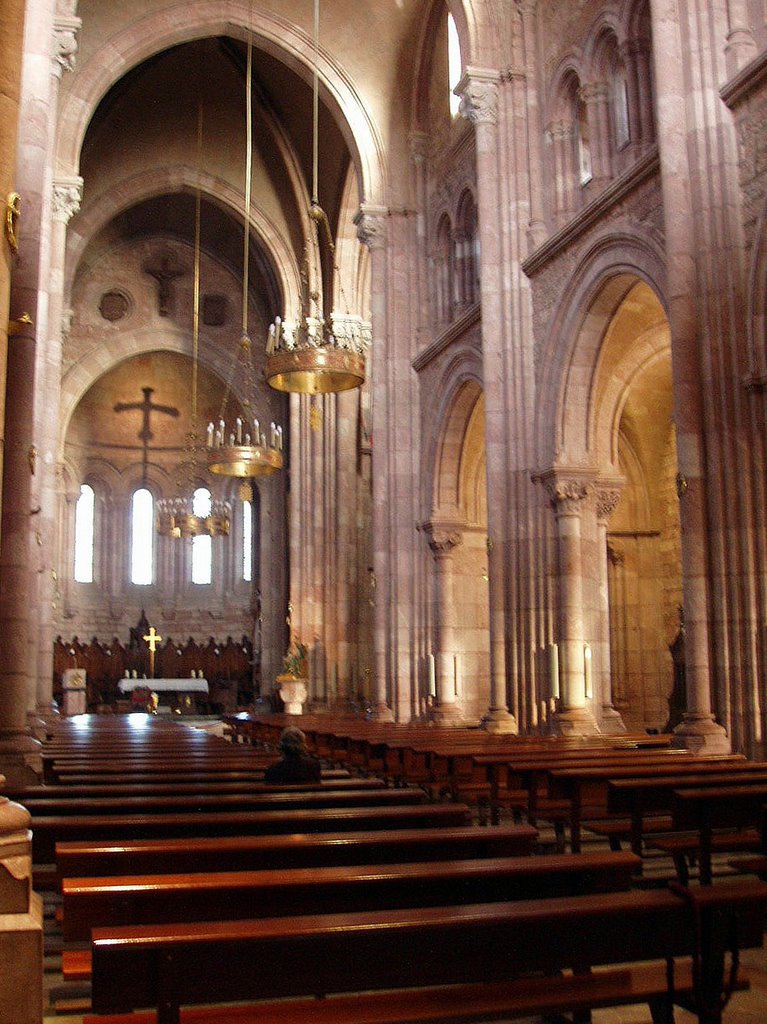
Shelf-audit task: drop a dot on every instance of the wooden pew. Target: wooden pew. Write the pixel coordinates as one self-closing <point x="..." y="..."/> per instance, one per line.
<point x="297" y="850"/>
<point x="216" y="896"/>
<point x="638" y="797"/>
<point x="48" y="830"/>
<point x="706" y="810"/>
<point x="87" y="791"/>
<point x="165" y="966"/>
<point x="267" y="799"/>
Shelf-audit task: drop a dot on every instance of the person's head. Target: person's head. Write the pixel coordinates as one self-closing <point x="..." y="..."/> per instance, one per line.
<point x="292" y="742"/>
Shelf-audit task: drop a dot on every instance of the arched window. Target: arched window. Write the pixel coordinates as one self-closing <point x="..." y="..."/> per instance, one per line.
<point x="453" y="63"/>
<point x="142" y="538"/>
<point x="85" y="518"/>
<point x="443" y="272"/>
<point x="467" y="252"/>
<point x="202" y="548"/>
<point x="620" y="105"/>
<point x="247" y="541"/>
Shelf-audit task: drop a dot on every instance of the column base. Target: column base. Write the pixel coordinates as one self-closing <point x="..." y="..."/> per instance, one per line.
<point x="701" y="734"/>
<point x="499" y="720"/>
<point x="21" y="949"/>
<point x="380" y="712"/>
<point x="574" y="722"/>
<point x="448" y="716"/>
<point x="612" y="723"/>
<point x="21" y="759"/>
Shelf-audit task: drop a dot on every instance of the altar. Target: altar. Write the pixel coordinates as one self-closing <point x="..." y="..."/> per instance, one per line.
<point x="192" y="685"/>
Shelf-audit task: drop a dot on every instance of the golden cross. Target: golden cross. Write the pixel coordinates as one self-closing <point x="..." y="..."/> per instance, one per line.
<point x="153" y="639"/>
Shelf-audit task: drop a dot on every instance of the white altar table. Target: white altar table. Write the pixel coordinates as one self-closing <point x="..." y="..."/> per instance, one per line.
<point x="127" y="685"/>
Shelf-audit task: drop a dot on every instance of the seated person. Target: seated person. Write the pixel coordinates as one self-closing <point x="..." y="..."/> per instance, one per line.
<point x="297" y="764"/>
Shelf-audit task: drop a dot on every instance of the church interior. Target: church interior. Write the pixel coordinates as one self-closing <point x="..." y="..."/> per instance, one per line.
<point x="397" y="365"/>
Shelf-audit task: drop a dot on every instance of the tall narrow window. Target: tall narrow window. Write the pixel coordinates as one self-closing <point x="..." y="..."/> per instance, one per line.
<point x="142" y="538"/>
<point x="247" y="541"/>
<point x="582" y="141"/>
<point x="202" y="550"/>
<point x="453" y="63"/>
<point x="85" y="512"/>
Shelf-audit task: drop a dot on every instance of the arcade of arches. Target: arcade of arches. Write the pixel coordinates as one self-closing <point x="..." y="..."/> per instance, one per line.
<point x="544" y="509"/>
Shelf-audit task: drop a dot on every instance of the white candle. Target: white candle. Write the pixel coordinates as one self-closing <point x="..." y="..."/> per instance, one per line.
<point x="239" y="430"/>
<point x="587" y="676"/>
<point x="554" y="669"/>
<point x="432" y="676"/>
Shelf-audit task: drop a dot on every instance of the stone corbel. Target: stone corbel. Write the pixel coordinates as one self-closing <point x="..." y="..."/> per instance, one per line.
<point x="371" y="225"/>
<point x="478" y="90"/>
<point x="65" y="29"/>
<point x="67" y="195"/>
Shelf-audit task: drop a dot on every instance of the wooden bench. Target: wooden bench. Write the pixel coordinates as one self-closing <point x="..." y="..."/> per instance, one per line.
<point x="48" y="830"/>
<point x="430" y="954"/>
<point x="254" y="853"/>
<point x="719" y="818"/>
<point x="156" y="899"/>
<point x="267" y="799"/>
<point x="76" y="791"/>
<point x="650" y="795"/>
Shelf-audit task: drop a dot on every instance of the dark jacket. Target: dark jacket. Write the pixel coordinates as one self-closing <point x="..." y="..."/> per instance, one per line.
<point x="294" y="768"/>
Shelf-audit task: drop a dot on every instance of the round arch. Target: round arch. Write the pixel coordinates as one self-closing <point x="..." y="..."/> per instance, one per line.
<point x="284" y="40"/>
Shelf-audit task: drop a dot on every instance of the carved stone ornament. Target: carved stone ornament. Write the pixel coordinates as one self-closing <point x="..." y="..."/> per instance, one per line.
<point x="371" y="228"/>
<point x="442" y="542"/>
<point x="567" y="496"/>
<point x="114" y="306"/>
<point x="65" y="29"/>
<point x="67" y="195"/>
<point x="479" y="101"/>
<point x="607" y="501"/>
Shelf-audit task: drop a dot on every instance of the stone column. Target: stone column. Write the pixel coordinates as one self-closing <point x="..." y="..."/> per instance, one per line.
<point x="67" y="193"/>
<point x="568" y="492"/>
<point x="21" y="920"/>
<point x="561" y="136"/>
<point x="443" y="541"/>
<point x="372" y="231"/>
<point x="703" y="305"/>
<point x="479" y="102"/>
<point x="11" y="50"/>
<point x="611" y="721"/>
<point x="596" y="96"/>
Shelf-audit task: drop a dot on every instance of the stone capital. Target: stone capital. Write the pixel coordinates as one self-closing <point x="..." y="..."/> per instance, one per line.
<point x="419" y="146"/>
<point x="371" y="226"/>
<point x="594" y="92"/>
<point x="560" y="131"/>
<point x="567" y="490"/>
<point x="607" y="498"/>
<point x="65" y="29"/>
<point x="479" y="96"/>
<point x="67" y="194"/>
<point x="443" y="539"/>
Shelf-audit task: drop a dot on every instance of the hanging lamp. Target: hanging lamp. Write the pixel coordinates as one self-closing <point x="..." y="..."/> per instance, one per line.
<point x="242" y="446"/>
<point x="184" y="515"/>
<point x="319" y="354"/>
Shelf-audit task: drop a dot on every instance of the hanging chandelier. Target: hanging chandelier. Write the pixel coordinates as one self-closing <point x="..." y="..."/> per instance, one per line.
<point x="318" y="354"/>
<point x="240" y="446"/>
<point x="190" y="513"/>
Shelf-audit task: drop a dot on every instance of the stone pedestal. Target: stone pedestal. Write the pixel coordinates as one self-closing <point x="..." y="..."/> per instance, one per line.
<point x="499" y="720"/>
<point x="575" y="722"/>
<point x="293" y="693"/>
<point x="21" y="921"/>
<point x="702" y="735"/>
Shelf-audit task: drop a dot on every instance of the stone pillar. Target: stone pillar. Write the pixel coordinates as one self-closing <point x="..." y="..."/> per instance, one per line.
<point x="611" y="721"/>
<point x="67" y="193"/>
<point x="568" y="492"/>
<point x="596" y="96"/>
<point x="443" y="541"/>
<point x="11" y="50"/>
<point x="702" y="299"/>
<point x="636" y="57"/>
<point x="479" y="91"/>
<point x="372" y="230"/>
<point x="561" y="136"/>
<point x="21" y="920"/>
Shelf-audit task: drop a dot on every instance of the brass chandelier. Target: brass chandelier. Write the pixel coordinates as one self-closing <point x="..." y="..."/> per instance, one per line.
<point x="184" y="515"/>
<point x="243" y="447"/>
<point x="320" y="353"/>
